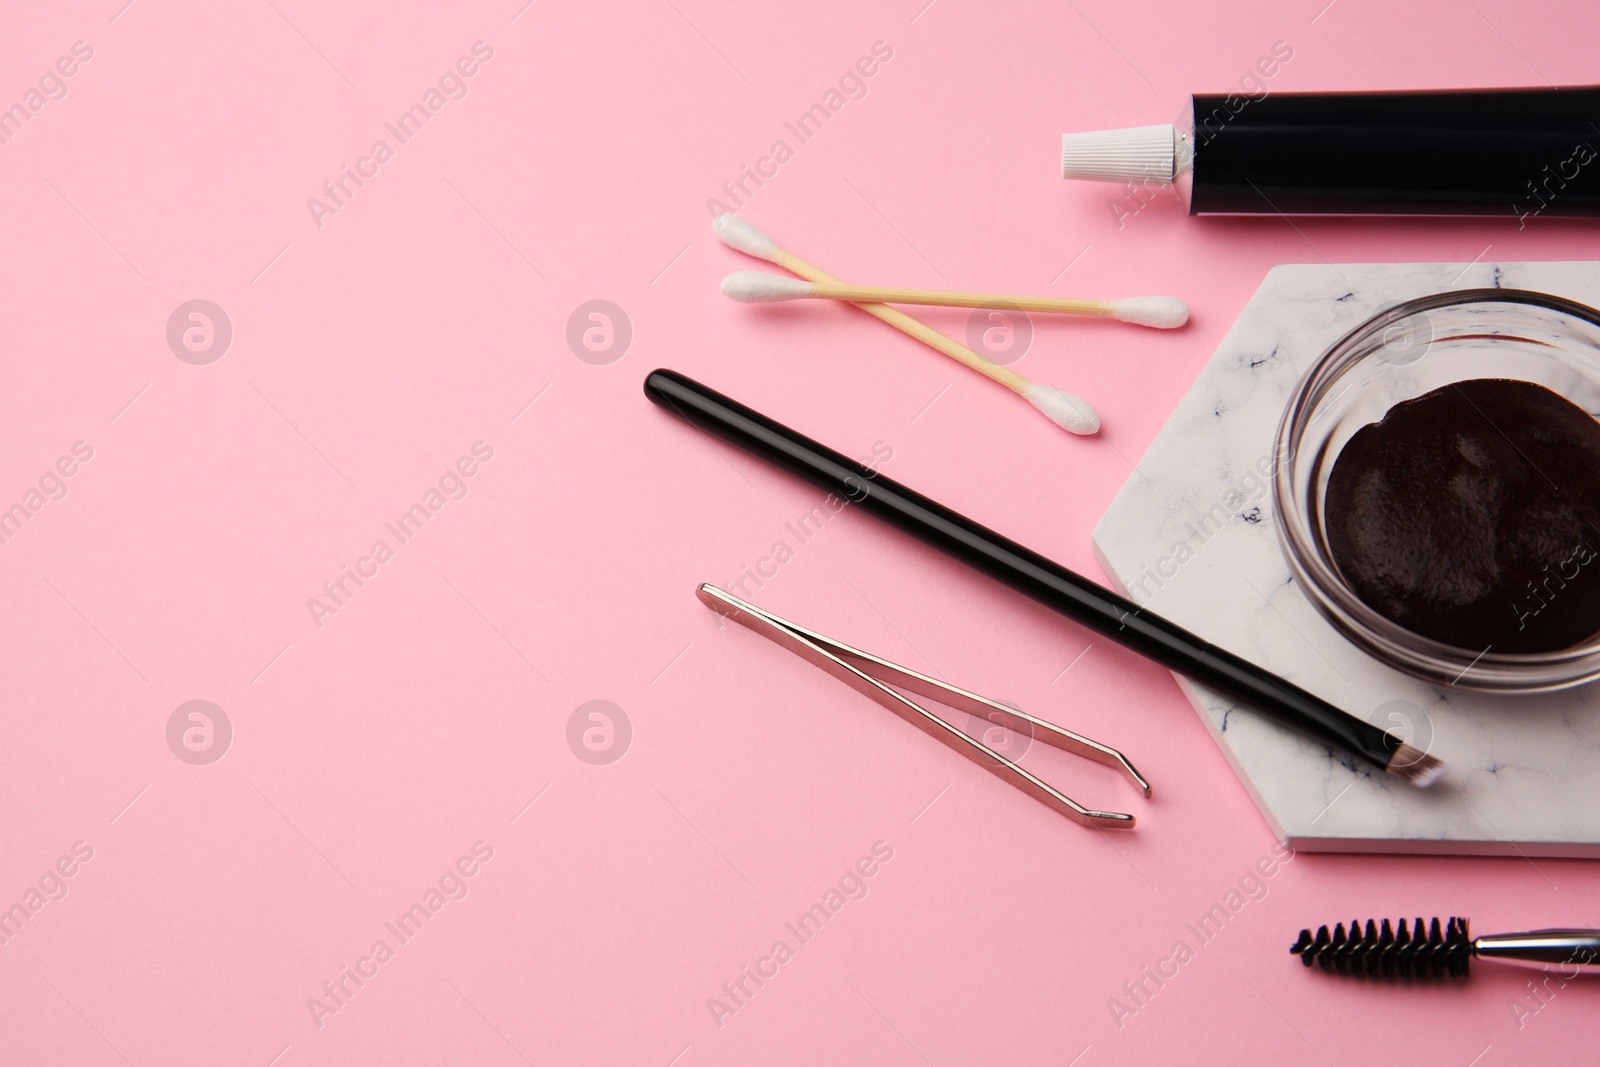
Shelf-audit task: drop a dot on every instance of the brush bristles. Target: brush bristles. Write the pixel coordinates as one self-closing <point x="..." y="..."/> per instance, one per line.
<point x="1386" y="953"/>
<point x="1416" y="766"/>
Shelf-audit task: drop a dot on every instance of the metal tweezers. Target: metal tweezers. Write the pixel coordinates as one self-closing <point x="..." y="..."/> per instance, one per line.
<point x="869" y="676"/>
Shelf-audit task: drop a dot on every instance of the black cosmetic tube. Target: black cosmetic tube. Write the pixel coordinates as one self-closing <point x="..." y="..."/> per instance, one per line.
<point x="1518" y="153"/>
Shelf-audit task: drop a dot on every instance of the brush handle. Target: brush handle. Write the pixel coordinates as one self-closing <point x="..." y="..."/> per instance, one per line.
<point x="1051" y="584"/>
<point x="1578" y="950"/>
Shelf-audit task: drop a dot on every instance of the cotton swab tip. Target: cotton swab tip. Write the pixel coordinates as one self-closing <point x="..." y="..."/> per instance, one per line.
<point x="1069" y="412"/>
<point x="738" y="234"/>
<point x="759" y="287"/>
<point x="1162" y="312"/>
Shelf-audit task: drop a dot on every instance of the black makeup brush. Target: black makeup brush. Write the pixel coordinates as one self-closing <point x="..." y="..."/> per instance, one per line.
<point x="1426" y="953"/>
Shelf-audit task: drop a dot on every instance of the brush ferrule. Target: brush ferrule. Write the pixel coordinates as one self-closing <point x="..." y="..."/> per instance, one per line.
<point x="1563" y="952"/>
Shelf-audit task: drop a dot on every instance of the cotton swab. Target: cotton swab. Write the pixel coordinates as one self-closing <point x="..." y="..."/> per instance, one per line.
<point x="754" y="287"/>
<point x="1065" y="410"/>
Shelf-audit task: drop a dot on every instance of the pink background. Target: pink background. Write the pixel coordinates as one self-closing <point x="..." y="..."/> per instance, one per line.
<point x="369" y="353"/>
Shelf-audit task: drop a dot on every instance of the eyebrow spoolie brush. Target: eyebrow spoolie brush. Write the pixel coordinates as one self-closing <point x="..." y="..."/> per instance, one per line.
<point x="1071" y="594"/>
<point x="1374" y="952"/>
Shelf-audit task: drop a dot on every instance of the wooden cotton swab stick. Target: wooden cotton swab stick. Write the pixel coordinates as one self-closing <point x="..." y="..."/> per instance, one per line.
<point x="754" y="287"/>
<point x="1065" y="410"/>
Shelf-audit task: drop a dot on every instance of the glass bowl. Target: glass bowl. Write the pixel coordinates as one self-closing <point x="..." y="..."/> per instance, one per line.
<point x="1403" y="352"/>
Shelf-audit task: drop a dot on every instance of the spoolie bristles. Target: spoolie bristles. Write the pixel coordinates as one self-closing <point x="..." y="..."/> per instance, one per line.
<point x="1423" y="953"/>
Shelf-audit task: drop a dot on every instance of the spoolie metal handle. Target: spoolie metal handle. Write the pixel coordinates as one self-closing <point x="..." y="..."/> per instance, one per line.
<point x="1571" y="951"/>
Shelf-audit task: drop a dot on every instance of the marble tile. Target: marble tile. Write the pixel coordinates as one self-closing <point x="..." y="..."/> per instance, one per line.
<point x="1191" y="536"/>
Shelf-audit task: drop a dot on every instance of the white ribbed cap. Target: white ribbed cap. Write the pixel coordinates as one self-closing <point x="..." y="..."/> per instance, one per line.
<point x="1144" y="153"/>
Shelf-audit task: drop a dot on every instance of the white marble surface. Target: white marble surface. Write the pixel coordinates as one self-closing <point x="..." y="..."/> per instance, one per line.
<point x="1525" y="770"/>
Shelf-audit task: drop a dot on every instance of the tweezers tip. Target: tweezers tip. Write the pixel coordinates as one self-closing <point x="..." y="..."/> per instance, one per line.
<point x="1133" y="774"/>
